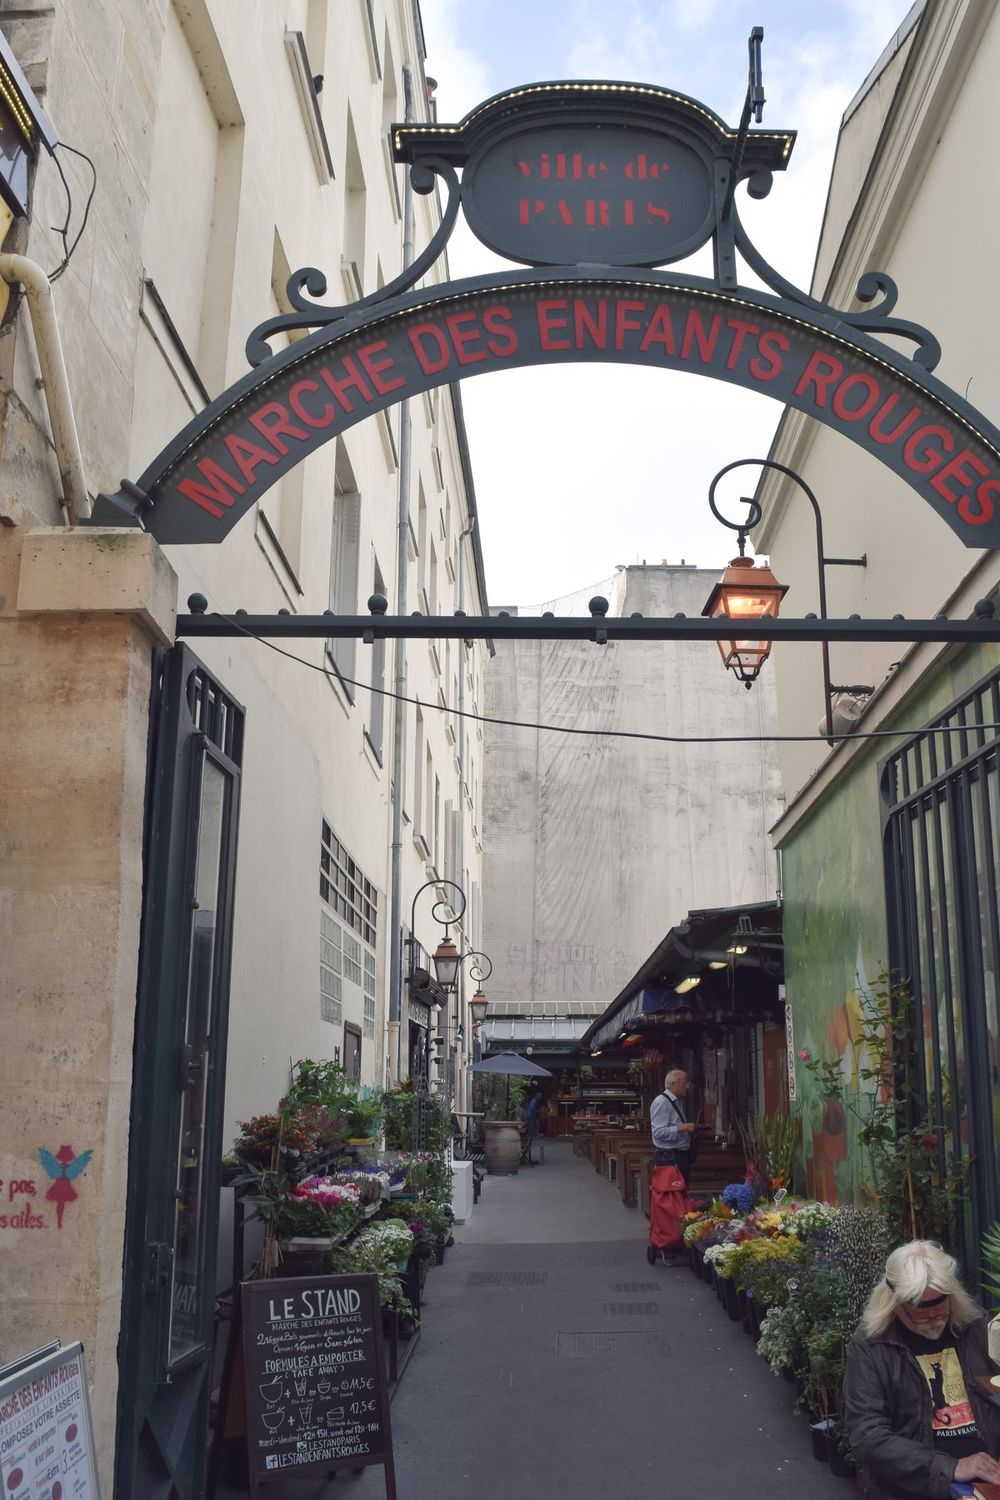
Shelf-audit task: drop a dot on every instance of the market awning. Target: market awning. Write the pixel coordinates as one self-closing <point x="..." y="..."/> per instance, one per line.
<point x="543" y="1034"/>
<point x="721" y="963"/>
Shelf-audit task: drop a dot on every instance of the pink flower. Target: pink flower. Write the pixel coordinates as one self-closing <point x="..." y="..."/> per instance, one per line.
<point x="805" y="1054"/>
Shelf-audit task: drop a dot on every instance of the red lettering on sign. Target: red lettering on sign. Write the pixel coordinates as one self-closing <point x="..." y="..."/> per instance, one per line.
<point x="876" y="427"/>
<point x="432" y="361"/>
<point x="584" y="323"/>
<point x="958" y="468"/>
<point x="694" y="333"/>
<point x="641" y="167"/>
<point x="248" y="456"/>
<point x="660" y="330"/>
<point x="529" y="207"/>
<point x="499" y="322"/>
<point x="625" y="322"/>
<point x="657" y="211"/>
<point x="352" y="380"/>
<point x="822" y="371"/>
<point x="562" y="209"/>
<point x="211" y="495"/>
<point x="463" y="337"/>
<point x="742" y="330"/>
<point x="871" y="392"/>
<point x="375" y="368"/>
<point x="322" y="419"/>
<point x="576" y="166"/>
<point x="925" y="459"/>
<point x="984" y="500"/>
<point x="768" y="362"/>
<point x="549" y="321"/>
<point x="273" y="419"/>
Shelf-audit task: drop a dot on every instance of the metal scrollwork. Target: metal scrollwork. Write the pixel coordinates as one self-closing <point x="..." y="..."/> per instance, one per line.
<point x="311" y="314"/>
<point x="874" y="319"/>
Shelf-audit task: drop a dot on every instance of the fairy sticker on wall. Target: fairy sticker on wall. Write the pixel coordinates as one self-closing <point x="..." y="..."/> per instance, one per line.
<point x="63" y="1168"/>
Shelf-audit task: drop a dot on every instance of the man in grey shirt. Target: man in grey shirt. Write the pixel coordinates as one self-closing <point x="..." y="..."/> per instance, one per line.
<point x="670" y="1128"/>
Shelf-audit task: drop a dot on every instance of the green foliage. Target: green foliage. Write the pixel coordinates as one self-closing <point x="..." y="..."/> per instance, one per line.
<point x="498" y="1095"/>
<point x="909" y="1173"/>
<point x="326" y="1085"/>
<point x="770" y="1142"/>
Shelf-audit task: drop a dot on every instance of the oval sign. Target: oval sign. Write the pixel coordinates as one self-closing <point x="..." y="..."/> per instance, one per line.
<point x="589" y="195"/>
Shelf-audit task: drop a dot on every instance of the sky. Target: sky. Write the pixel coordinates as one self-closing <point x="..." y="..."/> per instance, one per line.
<point x="581" y="468"/>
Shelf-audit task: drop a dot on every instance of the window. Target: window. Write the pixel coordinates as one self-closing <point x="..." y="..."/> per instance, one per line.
<point x="418" y="776"/>
<point x="376" y="708"/>
<point x="369" y="988"/>
<point x="344" y="554"/>
<point x="355" y="211"/>
<point x="347" y="891"/>
<point x="330" y="968"/>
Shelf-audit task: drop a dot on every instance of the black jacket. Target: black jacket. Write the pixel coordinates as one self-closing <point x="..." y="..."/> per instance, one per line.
<point x="888" y="1412"/>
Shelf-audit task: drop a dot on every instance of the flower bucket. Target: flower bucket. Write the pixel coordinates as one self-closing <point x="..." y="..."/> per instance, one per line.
<point x="822" y="1439"/>
<point x="439" y="1249"/>
<point x="304" y="1255"/>
<point x="731" y="1303"/>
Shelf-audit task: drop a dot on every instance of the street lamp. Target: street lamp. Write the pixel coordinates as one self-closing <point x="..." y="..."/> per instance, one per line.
<point x="445" y="959"/>
<point x="747" y="592"/>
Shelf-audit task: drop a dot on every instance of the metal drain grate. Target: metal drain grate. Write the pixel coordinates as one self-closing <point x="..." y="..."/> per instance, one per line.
<point x="598" y="1345"/>
<point x="636" y="1286"/>
<point x="507" y="1278"/>
<point x="596" y="1261"/>
<point x="630" y="1309"/>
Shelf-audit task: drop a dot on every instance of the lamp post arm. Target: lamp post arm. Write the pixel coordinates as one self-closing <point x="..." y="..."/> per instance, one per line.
<point x="445" y="922"/>
<point x="753" y="517"/>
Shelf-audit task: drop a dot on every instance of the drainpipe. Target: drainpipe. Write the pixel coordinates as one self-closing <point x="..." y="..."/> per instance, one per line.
<point x="467" y="1046"/>
<point x="19" y="270"/>
<point x="399" y="682"/>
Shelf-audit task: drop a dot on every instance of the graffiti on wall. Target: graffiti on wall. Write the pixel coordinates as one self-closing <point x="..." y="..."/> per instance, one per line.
<point x="19" y="1205"/>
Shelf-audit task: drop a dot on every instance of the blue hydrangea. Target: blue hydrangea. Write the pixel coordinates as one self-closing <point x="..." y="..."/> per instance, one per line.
<point x="739" y="1196"/>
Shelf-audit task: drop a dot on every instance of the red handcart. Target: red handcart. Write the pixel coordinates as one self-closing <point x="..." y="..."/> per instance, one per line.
<point x="668" y="1203"/>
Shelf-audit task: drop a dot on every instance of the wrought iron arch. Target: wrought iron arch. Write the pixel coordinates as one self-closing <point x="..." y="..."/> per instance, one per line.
<point x="597" y="186"/>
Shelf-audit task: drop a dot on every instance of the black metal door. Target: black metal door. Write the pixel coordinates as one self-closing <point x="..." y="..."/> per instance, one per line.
<point x="165" y="1347"/>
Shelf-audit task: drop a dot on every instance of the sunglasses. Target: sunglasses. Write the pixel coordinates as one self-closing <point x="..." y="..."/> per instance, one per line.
<point x="927" y="1302"/>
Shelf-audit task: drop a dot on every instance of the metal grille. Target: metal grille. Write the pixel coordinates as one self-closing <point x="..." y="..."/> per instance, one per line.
<point x="941" y="814"/>
<point x="596" y="1345"/>
<point x="635" y="1286"/>
<point x="595" y="1261"/>
<point x="506" y="1278"/>
<point x="630" y="1309"/>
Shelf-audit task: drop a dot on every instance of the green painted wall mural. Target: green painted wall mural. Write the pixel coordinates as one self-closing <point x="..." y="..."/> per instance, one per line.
<point x="836" y="942"/>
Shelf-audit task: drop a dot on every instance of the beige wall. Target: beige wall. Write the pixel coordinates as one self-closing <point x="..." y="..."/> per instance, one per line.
<point x="79" y="616"/>
<point x="208" y="188"/>
<point x="913" y="220"/>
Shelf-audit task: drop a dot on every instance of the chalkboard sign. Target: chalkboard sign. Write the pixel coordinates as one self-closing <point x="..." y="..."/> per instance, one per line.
<point x="315" y="1377"/>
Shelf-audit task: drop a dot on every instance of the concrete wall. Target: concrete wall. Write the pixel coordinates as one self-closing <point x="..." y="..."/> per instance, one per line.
<point x="596" y="846"/>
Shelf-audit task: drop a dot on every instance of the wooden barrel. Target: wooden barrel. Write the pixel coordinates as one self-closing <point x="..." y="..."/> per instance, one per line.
<point x="503" y="1147"/>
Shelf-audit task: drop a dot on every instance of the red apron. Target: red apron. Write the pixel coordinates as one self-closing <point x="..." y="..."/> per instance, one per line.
<point x="668" y="1203"/>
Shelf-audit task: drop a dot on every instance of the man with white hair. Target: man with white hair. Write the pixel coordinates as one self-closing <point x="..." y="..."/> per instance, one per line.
<point x="917" y="1418"/>
<point x="669" y="1126"/>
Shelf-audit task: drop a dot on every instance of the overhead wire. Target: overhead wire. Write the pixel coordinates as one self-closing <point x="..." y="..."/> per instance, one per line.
<point x="615" y="734"/>
<point x="63" y="230"/>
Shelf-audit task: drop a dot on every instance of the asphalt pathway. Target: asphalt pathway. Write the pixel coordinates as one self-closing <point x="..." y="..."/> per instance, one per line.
<point x="554" y="1358"/>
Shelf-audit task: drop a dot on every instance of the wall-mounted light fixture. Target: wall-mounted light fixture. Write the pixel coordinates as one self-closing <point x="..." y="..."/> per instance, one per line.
<point x="748" y="592"/>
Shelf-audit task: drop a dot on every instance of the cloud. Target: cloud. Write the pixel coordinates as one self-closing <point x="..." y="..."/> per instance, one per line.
<point x="579" y="468"/>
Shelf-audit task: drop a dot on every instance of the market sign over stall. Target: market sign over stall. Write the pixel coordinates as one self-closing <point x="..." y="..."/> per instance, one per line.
<point x="594" y="187"/>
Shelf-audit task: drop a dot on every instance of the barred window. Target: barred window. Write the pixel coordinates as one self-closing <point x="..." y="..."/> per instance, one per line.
<point x="369" y="994"/>
<point x="346" y="889"/>
<point x="330" y="969"/>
